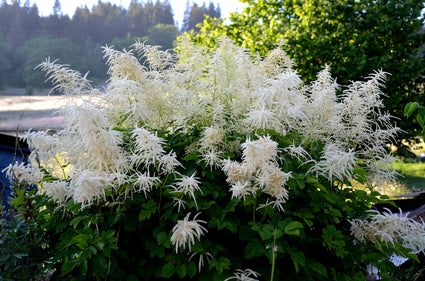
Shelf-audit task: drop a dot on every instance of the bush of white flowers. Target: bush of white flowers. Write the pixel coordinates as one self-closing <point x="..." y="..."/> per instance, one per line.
<point x="206" y="166"/>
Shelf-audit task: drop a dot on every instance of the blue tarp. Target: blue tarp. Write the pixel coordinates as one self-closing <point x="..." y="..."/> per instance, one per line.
<point x="11" y="150"/>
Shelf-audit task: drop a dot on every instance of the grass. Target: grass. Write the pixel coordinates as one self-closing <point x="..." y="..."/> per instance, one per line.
<point x="413" y="173"/>
<point x="413" y="169"/>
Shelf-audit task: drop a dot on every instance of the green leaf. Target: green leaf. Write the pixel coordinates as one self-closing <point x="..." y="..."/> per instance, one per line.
<point x="267" y="231"/>
<point x="191" y="269"/>
<point x="298" y="259"/>
<point x="220" y="264"/>
<point x="293" y="228"/>
<point x="410" y="108"/>
<point x="19" y="255"/>
<point x="162" y="239"/>
<point x="181" y="270"/>
<point x="68" y="266"/>
<point x="81" y="240"/>
<point x="93" y="250"/>
<point x="157" y="251"/>
<point x="75" y="221"/>
<point x="100" y="245"/>
<point x="319" y="268"/>
<point x="100" y="265"/>
<point x="301" y="184"/>
<point x="84" y="265"/>
<point x="147" y="210"/>
<point x="311" y="180"/>
<point x="253" y="249"/>
<point x="421" y="116"/>
<point x="168" y="270"/>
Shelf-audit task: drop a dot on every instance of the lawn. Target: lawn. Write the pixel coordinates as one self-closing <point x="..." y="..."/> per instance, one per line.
<point x="413" y="173"/>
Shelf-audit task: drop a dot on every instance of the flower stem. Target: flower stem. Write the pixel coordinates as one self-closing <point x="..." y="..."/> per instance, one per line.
<point x="273" y="255"/>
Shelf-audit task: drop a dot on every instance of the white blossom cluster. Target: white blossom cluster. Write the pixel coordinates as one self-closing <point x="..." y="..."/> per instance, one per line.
<point x="221" y="93"/>
<point x="186" y="230"/>
<point x="259" y="171"/>
<point x="389" y="228"/>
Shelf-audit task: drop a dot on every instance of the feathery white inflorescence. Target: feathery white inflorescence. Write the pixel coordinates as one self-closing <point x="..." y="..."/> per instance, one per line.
<point x="185" y="232"/>
<point x="229" y="97"/>
<point x="22" y="172"/>
<point x="389" y="228"/>
<point x="187" y="186"/>
<point x="258" y="171"/>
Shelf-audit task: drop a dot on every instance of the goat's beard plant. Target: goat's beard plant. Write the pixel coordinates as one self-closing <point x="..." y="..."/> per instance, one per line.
<point x="207" y="164"/>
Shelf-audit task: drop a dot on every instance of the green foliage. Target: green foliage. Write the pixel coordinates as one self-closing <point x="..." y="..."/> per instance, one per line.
<point x="311" y="240"/>
<point x="162" y="35"/>
<point x="354" y="37"/>
<point x="24" y="243"/>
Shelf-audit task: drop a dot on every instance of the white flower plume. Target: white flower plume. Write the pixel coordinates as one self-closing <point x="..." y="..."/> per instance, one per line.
<point x="225" y="96"/>
<point x="389" y="228"/>
<point x="185" y="232"/>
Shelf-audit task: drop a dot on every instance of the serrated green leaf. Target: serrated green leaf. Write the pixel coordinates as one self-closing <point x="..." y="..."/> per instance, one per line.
<point x="168" y="270"/>
<point x="220" y="264"/>
<point x="148" y="209"/>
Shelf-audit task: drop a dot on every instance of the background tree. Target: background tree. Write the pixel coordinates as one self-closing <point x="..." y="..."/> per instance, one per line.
<point x="163" y="13"/>
<point x="57" y="8"/>
<point x="5" y="62"/>
<point x="195" y="14"/>
<point x="19" y="23"/>
<point x="39" y="48"/>
<point x="354" y="37"/>
<point x="162" y="35"/>
<point x="108" y="22"/>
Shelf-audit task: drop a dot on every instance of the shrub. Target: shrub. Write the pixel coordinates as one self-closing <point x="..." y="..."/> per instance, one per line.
<point x="210" y="166"/>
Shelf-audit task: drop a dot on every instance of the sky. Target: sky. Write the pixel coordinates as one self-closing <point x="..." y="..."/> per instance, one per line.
<point x="45" y="7"/>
